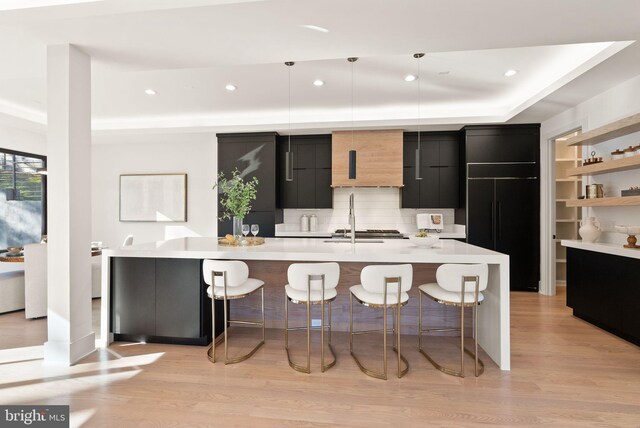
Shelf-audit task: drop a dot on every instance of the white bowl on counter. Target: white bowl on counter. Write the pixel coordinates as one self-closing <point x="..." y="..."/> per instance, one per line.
<point x="426" y="241"/>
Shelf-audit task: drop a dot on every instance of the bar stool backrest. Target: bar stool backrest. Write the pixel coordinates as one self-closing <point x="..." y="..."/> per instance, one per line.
<point x="128" y="241"/>
<point x="298" y="275"/>
<point x="373" y="278"/>
<point x="237" y="272"/>
<point x="449" y="276"/>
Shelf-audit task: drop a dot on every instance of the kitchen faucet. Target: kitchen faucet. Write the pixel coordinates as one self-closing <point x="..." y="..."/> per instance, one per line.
<point x="352" y="218"/>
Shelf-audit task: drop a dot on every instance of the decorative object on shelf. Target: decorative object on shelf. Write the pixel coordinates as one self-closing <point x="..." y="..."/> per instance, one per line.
<point x="289" y="155"/>
<point x="617" y="154"/>
<point x="589" y="229"/>
<point x="631" y="191"/>
<point x="632" y="231"/>
<point x="14" y="251"/>
<point x="231" y="241"/>
<point x="629" y="151"/>
<point x="235" y="196"/>
<point x="594" y="191"/>
<point x="419" y="56"/>
<point x="153" y="197"/>
<point x="352" y="152"/>
<point x="593" y="159"/>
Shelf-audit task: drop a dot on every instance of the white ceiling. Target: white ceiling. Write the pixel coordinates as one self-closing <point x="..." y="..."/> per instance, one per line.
<point x="188" y="50"/>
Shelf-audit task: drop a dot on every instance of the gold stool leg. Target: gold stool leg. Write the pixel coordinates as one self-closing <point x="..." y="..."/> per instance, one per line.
<point x="322" y="337"/>
<point x="211" y="352"/>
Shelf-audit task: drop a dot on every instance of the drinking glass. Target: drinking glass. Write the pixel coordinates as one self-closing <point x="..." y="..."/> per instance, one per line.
<point x="245" y="232"/>
<point x="255" y="229"/>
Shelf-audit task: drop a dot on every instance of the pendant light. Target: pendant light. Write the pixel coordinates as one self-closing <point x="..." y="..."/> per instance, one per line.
<point x="352" y="152"/>
<point x="288" y="160"/>
<point x="418" y="56"/>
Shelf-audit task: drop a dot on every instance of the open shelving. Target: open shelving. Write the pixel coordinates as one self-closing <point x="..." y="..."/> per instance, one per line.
<point x="618" y="201"/>
<point x="623" y="164"/>
<point x="616" y="129"/>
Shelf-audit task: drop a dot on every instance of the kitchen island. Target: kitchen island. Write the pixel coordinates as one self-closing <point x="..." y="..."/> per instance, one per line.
<point x="125" y="268"/>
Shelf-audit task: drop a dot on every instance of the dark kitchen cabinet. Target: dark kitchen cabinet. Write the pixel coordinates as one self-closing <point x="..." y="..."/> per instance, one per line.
<point x="439" y="168"/>
<point x="503" y="192"/>
<point x="311" y="184"/>
<point x="254" y="155"/>
<point x="160" y="300"/>
<point x="602" y="289"/>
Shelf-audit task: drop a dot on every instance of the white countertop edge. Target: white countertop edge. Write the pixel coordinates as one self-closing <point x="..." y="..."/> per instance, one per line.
<point x="606" y="248"/>
<point x="293" y="234"/>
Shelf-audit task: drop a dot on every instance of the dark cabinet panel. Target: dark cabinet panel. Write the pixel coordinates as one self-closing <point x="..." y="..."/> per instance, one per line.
<point x="134" y="296"/>
<point x="505" y="143"/>
<point x="254" y="155"/>
<point x="602" y="289"/>
<point x="480" y="206"/>
<point x="411" y="189"/>
<point x="265" y="219"/>
<point x="324" y="192"/>
<point x="439" y="167"/>
<point x="178" y="298"/>
<point x="430" y="187"/>
<point x="449" y="183"/>
<point x="310" y="187"/>
<point x="516" y="217"/>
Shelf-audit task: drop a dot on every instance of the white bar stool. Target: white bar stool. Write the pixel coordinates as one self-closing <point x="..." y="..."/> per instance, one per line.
<point x="311" y="284"/>
<point x="451" y="291"/>
<point x="231" y="279"/>
<point x="382" y="286"/>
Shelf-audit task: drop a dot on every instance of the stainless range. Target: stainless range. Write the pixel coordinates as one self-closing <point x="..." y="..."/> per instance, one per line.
<point x="368" y="234"/>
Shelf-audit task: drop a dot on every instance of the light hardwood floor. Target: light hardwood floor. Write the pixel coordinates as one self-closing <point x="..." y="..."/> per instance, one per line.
<point x="565" y="372"/>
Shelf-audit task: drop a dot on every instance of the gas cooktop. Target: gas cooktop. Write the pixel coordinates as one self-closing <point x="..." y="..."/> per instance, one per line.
<point x="369" y="233"/>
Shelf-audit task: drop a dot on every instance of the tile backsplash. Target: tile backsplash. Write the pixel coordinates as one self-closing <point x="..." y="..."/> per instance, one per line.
<point x="376" y="208"/>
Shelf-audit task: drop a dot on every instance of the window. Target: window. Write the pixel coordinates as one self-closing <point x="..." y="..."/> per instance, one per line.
<point x="22" y="198"/>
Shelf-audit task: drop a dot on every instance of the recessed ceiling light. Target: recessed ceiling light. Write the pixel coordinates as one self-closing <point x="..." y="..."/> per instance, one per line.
<point x="231" y="87"/>
<point x="410" y="78"/>
<point x="315" y="28"/>
<point x="318" y="82"/>
<point x="443" y="73"/>
<point x="150" y="92"/>
<point x="510" y="73"/>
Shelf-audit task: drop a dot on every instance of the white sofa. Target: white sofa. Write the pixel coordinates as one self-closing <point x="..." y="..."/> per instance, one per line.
<point x="11" y="287"/>
<point x="35" y="280"/>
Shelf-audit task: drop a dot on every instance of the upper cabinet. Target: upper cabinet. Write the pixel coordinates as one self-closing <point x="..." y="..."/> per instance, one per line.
<point x="438" y="169"/>
<point x="310" y="186"/>
<point x="254" y="155"/>
<point x="378" y="158"/>
<point x="503" y="143"/>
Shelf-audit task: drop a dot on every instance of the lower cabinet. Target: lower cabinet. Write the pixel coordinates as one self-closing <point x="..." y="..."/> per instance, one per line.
<point x="603" y="290"/>
<point x="161" y="300"/>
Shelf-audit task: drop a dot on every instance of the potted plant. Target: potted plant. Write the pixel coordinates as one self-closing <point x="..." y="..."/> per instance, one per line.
<point x="235" y="196"/>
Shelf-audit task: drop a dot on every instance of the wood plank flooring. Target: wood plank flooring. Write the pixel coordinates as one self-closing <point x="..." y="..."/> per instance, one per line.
<point x="565" y="372"/>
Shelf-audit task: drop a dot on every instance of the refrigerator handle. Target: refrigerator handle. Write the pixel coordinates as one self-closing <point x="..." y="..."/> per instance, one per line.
<point x="498" y="215"/>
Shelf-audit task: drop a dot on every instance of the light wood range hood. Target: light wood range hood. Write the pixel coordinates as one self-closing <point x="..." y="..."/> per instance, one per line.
<point x="378" y="154"/>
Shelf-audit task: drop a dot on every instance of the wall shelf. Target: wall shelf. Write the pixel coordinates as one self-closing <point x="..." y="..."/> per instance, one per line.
<point x="608" y="166"/>
<point x="618" y="201"/>
<point x="625" y="126"/>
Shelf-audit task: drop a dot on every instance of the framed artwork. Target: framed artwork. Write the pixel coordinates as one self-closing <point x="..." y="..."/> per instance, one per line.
<point x="153" y="197"/>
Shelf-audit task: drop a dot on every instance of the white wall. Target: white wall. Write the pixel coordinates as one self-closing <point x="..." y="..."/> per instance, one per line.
<point x="376" y="208"/>
<point x="193" y="154"/>
<point x="616" y="103"/>
<point x="22" y="140"/>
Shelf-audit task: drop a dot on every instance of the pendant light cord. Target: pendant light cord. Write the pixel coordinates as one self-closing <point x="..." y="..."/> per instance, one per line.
<point x="419" y="57"/>
<point x="289" y="67"/>
<point x="352" y="144"/>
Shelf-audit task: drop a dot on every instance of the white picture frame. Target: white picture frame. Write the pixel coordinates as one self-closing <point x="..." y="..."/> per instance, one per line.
<point x="153" y="197"/>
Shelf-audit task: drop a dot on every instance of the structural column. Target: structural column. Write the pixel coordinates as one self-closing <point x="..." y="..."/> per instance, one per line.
<point x="69" y="205"/>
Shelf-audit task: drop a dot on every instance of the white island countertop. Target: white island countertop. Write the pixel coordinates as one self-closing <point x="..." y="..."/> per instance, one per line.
<point x="309" y="249"/>
<point x="493" y="313"/>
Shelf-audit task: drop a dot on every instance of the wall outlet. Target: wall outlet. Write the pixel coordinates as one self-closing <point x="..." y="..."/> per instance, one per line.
<point x="315" y="323"/>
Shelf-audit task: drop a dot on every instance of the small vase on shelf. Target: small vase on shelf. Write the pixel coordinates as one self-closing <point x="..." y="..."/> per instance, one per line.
<point x="589" y="229"/>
